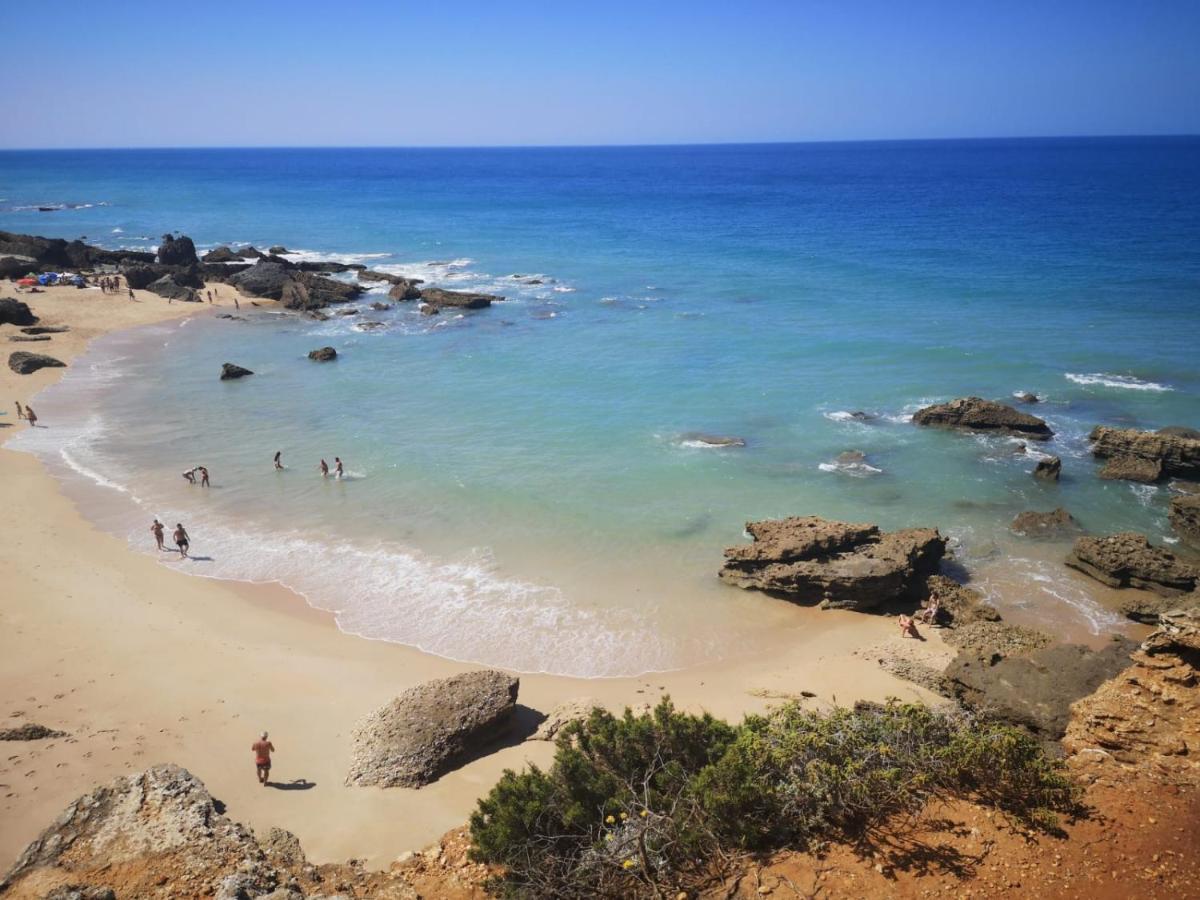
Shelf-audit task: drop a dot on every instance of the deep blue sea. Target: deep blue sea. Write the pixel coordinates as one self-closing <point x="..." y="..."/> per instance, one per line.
<point x="525" y="488"/>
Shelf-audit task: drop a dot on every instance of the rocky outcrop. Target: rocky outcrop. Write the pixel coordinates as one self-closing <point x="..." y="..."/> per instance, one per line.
<point x="54" y="254"/>
<point x="439" y="298"/>
<point x="1048" y="469"/>
<point x="229" y="371"/>
<point x="24" y="363"/>
<point x="177" y="251"/>
<point x="1058" y="523"/>
<point x="976" y="414"/>
<point x="837" y="564"/>
<point x="1185" y="519"/>
<point x="1149" y="608"/>
<point x="403" y="288"/>
<point x="431" y="727"/>
<point x="700" y="438"/>
<point x="960" y="605"/>
<point x="1128" y="559"/>
<point x="220" y="255"/>
<point x="169" y="287"/>
<point x="30" y="731"/>
<point x="324" y="354"/>
<point x="1035" y="690"/>
<point x="574" y="710"/>
<point x="1029" y="397"/>
<point x="140" y="276"/>
<point x="295" y="288"/>
<point x="263" y="279"/>
<point x="1145" y="456"/>
<point x="1182" y="431"/>
<point x="14" y="312"/>
<point x="277" y="250"/>
<point x="1147" y="718"/>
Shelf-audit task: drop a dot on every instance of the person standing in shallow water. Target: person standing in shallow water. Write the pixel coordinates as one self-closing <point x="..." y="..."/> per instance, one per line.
<point x="182" y="541"/>
<point x="278" y="462"/>
<point x="30" y="416"/>
<point x="338" y="470"/>
<point x="157" y="530"/>
<point x="203" y="477"/>
<point x="324" y="469"/>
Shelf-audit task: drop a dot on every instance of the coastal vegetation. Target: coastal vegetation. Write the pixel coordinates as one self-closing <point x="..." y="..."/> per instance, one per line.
<point x="653" y="803"/>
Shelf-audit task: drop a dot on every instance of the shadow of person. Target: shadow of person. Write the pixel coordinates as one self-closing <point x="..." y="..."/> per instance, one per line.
<point x="299" y="784"/>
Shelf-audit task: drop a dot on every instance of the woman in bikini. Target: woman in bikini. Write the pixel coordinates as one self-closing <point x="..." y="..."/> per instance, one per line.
<point x="157" y="530"/>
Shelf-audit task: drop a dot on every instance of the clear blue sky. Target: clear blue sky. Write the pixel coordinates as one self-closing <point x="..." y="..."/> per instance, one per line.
<point x="134" y="73"/>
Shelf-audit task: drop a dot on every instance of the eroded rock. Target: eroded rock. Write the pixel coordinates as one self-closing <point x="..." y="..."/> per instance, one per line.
<point x="1185" y="518"/>
<point x="1128" y="559"/>
<point x="324" y="354"/>
<point x="1146" y="456"/>
<point x="1048" y="469"/>
<point x="229" y="371"/>
<point x="441" y="298"/>
<point x="25" y="363"/>
<point x="1058" y="523"/>
<point x="977" y="414"/>
<point x="14" y="312"/>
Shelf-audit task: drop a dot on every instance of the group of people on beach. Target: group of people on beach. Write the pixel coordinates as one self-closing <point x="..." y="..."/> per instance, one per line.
<point x="929" y="614"/>
<point x="109" y="284"/>
<point x="27" y="414"/>
<point x="190" y="475"/>
<point x="179" y="536"/>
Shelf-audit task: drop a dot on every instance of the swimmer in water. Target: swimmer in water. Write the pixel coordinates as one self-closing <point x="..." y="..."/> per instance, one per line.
<point x="278" y="463"/>
<point x="338" y="470"/>
<point x="324" y="469"/>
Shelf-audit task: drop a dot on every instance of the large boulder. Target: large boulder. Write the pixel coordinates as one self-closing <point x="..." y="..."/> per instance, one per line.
<point x="176" y="251"/>
<point x="1048" y="469"/>
<point x="1185" y="518"/>
<point x="402" y="288"/>
<point x="229" y="372"/>
<point x="220" y="254"/>
<point x="1057" y="523"/>
<point x="431" y="727"/>
<point x="440" y="298"/>
<point x="138" y="829"/>
<point x="140" y="276"/>
<point x="324" y="354"/>
<point x="169" y="287"/>
<point x="836" y="564"/>
<point x="14" y="312"/>
<point x="263" y="279"/>
<point x="1146" y="456"/>
<point x="976" y="414"/>
<point x="1128" y="559"/>
<point x="1035" y="690"/>
<point x="25" y="363"/>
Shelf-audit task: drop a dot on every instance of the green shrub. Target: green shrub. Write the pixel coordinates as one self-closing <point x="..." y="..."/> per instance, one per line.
<point x="644" y="804"/>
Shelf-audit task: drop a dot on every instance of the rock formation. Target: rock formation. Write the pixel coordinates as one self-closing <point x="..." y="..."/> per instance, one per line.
<point x="711" y="440"/>
<point x="1185" y="518"/>
<point x="176" y="251"/>
<point x="24" y="363"/>
<point x="46" y="329"/>
<point x="229" y="371"/>
<point x="30" y="731"/>
<point x="39" y="254"/>
<point x="976" y="414"/>
<point x="836" y="564"/>
<point x="14" y="312"/>
<point x="324" y="354"/>
<point x="1048" y="469"/>
<point x="1029" y="397"/>
<point x="440" y="298"/>
<point x="1146" y="456"/>
<point x="1128" y="559"/>
<point x="27" y="338"/>
<point x="1057" y="523"/>
<point x="1147" y="718"/>
<point x="573" y="710"/>
<point x="431" y="727"/>
<point x="1149" y="608"/>
<point x="169" y="287"/>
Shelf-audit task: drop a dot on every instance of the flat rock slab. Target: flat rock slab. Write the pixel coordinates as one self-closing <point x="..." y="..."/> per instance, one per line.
<point x="1128" y="559"/>
<point x="429" y="728"/>
<point x="977" y="414"/>
<point x="1146" y="456"/>
<point x="24" y="363"/>
<point x="840" y="565"/>
<point x="28" y="338"/>
<point x="439" y="297"/>
<point x="1057" y="523"/>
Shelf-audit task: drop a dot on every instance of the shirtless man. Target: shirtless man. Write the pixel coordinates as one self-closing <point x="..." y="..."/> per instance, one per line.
<point x="324" y="469"/>
<point x="157" y="530"/>
<point x="263" y="748"/>
<point x="278" y="462"/>
<point x="337" y="463"/>
<point x="182" y="541"/>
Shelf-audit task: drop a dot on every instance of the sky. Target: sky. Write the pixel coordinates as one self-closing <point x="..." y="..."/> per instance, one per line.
<point x="517" y="72"/>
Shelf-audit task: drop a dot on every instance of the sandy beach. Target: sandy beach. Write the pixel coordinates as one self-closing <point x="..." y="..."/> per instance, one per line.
<point x="141" y="664"/>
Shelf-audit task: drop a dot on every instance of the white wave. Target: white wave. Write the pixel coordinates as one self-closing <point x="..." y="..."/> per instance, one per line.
<point x="1145" y="493"/>
<point x="563" y="289"/>
<point x="118" y="230"/>
<point x="1048" y="581"/>
<point x="853" y="469"/>
<point x="344" y="258"/>
<point x="1126" y="382"/>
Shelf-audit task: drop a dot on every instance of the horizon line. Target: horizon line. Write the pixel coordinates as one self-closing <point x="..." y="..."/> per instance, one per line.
<point x="612" y="146"/>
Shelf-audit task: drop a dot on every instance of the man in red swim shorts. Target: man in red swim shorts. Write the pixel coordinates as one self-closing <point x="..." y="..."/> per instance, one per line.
<point x="262" y="758"/>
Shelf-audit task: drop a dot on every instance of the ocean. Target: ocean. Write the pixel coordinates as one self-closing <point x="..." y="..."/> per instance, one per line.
<point x="525" y="487"/>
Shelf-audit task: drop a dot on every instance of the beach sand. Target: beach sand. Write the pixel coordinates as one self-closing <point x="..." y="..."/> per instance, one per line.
<point x="141" y="664"/>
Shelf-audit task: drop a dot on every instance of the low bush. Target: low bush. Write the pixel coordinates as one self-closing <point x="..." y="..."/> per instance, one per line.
<point x="651" y="804"/>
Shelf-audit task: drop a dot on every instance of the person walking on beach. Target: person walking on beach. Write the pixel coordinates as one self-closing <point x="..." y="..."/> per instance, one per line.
<point x="263" y="748"/>
<point x="337" y="466"/>
<point x="203" y="476"/>
<point x="182" y="541"/>
<point x="278" y="464"/>
<point x="30" y="416"/>
<point x="210" y="298"/>
<point x="20" y="412"/>
<point x="157" y="530"/>
<point x="324" y="469"/>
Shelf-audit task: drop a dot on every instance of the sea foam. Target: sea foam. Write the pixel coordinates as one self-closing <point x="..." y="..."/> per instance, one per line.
<point x="1125" y="382"/>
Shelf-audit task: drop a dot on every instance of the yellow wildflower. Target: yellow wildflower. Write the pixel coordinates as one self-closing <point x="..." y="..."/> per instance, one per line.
<point x="610" y="820"/>
<point x="629" y="864"/>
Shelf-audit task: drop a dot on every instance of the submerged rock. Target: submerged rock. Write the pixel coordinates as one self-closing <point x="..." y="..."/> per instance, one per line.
<point x="324" y="354"/>
<point x="463" y="300"/>
<point x="698" y="438"/>
<point x="977" y="414"/>
<point x="837" y="564"/>
<point x="1145" y="456"/>
<point x="429" y="728"/>
<point x="25" y="363"/>
<point x="1054" y="524"/>
<point x="1128" y="559"/>
<point x="1184" y="517"/>
<point x="14" y="312"/>
<point x="1048" y="469"/>
<point x="230" y="371"/>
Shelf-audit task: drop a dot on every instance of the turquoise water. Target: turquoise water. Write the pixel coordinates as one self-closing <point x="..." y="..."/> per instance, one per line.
<point x="522" y="487"/>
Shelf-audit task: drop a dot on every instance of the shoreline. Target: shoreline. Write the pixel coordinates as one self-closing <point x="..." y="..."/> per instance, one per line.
<point x="141" y="666"/>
